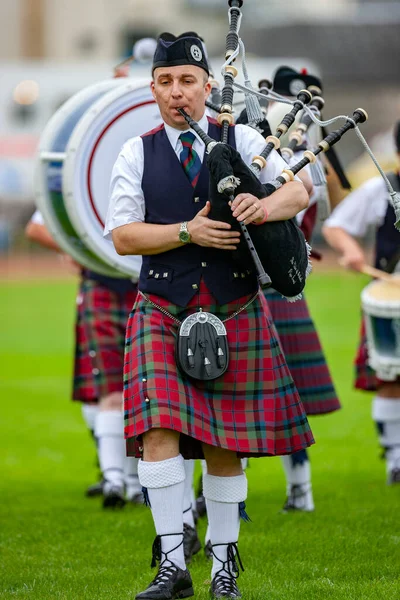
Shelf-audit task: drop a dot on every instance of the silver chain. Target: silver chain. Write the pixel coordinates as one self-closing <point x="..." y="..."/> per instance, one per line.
<point x="168" y="314"/>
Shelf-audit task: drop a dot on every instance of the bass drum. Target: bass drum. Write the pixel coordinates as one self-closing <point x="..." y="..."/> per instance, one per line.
<point x="381" y="305"/>
<point x="77" y="152"/>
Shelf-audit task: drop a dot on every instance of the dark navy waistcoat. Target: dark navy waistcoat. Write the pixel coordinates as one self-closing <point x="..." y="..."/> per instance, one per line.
<point x="387" y="248"/>
<point x="170" y="198"/>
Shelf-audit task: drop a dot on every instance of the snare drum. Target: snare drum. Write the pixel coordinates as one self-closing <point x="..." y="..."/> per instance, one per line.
<point x="381" y="304"/>
<point x="76" y="155"/>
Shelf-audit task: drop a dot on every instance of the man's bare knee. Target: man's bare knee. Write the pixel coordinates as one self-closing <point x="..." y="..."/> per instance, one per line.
<point x="389" y="389"/>
<point x="160" y="444"/>
<point x="111" y="402"/>
<point x="221" y="462"/>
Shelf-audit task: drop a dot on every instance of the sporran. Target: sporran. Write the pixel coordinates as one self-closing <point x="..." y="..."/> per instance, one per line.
<point x="202" y="349"/>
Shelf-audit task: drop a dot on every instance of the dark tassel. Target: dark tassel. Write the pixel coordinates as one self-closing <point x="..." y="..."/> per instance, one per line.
<point x="242" y="512"/>
<point x="299" y="458"/>
<point x="146" y="497"/>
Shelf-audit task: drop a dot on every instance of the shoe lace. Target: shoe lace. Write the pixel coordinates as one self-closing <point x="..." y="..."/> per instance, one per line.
<point x="225" y="578"/>
<point x="167" y="567"/>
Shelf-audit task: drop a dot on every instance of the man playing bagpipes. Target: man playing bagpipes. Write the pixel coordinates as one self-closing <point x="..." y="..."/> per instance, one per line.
<point x="232" y="394"/>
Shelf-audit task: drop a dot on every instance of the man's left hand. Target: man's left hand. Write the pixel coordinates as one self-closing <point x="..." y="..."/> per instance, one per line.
<point x="248" y="209"/>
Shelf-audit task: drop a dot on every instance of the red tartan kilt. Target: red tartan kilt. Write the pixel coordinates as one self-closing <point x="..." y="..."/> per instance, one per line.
<point x="304" y="354"/>
<point x="102" y="315"/>
<point x="365" y="378"/>
<point x="253" y="409"/>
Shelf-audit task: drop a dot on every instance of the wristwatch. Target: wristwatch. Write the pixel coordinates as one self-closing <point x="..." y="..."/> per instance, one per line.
<point x="184" y="235"/>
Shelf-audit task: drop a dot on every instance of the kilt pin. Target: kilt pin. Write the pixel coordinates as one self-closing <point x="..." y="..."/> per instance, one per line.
<point x="304" y="354"/>
<point x="102" y="316"/>
<point x="253" y="409"/>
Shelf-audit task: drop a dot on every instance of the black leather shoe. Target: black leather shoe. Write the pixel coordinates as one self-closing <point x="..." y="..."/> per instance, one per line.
<point x="191" y="542"/>
<point x="394" y="476"/>
<point x="201" y="508"/>
<point x="170" y="582"/>
<point x="224" y="585"/>
<point x="299" y="499"/>
<point x="113" y="497"/>
<point x="136" y="498"/>
<point x="95" y="490"/>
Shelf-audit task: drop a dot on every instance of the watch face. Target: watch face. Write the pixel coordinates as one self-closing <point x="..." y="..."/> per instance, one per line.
<point x="184" y="236"/>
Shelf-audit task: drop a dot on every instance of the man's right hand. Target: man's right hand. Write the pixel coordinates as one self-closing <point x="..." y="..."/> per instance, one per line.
<point x="354" y="259"/>
<point x="212" y="234"/>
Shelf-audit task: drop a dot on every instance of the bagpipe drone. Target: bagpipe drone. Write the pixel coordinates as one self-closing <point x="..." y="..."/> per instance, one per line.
<point x="278" y="249"/>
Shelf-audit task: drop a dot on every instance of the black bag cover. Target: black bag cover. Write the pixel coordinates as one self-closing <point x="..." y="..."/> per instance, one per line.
<point x="281" y="245"/>
<point x="202" y="350"/>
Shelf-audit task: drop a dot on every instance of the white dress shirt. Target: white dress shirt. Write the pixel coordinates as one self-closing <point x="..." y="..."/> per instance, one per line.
<point x="37" y="218"/>
<point x="127" y="203"/>
<point x="364" y="207"/>
<point x="297" y="156"/>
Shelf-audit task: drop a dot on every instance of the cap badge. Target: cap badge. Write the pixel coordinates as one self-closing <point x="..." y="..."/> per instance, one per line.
<point x="196" y="53"/>
<point x="296" y="85"/>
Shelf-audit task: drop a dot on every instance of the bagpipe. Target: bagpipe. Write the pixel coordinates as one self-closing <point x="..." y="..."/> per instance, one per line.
<point x="277" y="249"/>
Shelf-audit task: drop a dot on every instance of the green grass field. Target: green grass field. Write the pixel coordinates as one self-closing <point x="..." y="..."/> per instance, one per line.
<point x="54" y="543"/>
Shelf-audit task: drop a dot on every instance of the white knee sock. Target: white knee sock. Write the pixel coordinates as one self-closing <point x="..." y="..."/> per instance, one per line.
<point x="386" y="414"/>
<point x="187" y="502"/>
<point x="297" y="473"/>
<point x="131" y="477"/>
<point x="165" y="484"/>
<point x="111" y="446"/>
<point x="203" y="474"/>
<point x="223" y="495"/>
<point x="89" y="414"/>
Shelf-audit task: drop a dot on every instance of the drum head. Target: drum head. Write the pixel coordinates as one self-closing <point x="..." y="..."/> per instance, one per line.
<point x="382" y="298"/>
<point x="49" y="174"/>
<point x="381" y="305"/>
<point x="92" y="150"/>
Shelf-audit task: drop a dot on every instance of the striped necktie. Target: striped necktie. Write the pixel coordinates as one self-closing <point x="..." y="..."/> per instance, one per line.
<point x="189" y="158"/>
